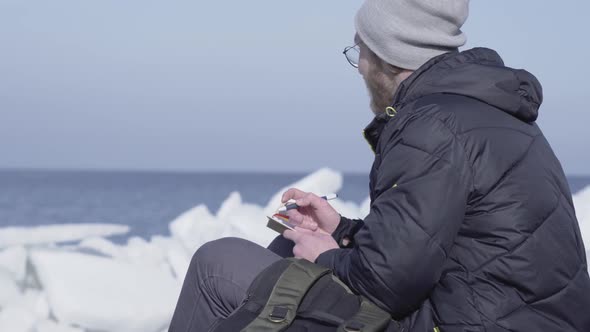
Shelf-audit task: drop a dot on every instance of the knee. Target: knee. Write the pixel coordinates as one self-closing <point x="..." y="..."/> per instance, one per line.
<point x="211" y="252"/>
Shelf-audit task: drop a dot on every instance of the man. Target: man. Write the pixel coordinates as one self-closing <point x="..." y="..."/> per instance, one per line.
<point x="471" y="226"/>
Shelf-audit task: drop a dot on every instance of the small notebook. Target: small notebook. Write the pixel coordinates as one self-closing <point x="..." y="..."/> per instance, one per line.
<point x="279" y="223"/>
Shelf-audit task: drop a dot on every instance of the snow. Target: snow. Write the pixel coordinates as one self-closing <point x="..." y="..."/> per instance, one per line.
<point x="102" y="246"/>
<point x="9" y="291"/>
<point x="195" y="227"/>
<point x="13" y="236"/>
<point x="17" y="319"/>
<point x="365" y="207"/>
<point x="24" y="312"/>
<point x="105" y="294"/>
<point x="72" y="278"/>
<point x="52" y="326"/>
<point x="13" y="260"/>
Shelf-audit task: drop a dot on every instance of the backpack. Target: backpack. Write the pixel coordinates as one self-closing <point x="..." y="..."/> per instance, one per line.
<point x="296" y="295"/>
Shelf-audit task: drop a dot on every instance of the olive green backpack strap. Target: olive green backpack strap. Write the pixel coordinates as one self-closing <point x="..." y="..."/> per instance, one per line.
<point x="369" y="318"/>
<point x="288" y="292"/>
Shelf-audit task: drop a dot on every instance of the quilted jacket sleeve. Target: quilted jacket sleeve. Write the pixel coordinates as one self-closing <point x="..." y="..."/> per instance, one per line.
<point x="422" y="188"/>
<point x="346" y="229"/>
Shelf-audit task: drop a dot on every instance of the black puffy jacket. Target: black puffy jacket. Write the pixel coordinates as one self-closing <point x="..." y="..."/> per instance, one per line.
<point x="471" y="226"/>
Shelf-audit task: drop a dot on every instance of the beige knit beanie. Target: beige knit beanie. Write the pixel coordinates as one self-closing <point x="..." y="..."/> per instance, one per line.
<point x="408" y="33"/>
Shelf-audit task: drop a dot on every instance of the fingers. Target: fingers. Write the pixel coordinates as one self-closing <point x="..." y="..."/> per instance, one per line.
<point x="297" y="237"/>
<point x="295" y="217"/>
<point x="310" y="199"/>
<point x="292" y="235"/>
<point x="297" y="234"/>
<point x="303" y="230"/>
<point x="310" y="225"/>
<point x="292" y="193"/>
<point x="297" y="251"/>
<point x="303" y="198"/>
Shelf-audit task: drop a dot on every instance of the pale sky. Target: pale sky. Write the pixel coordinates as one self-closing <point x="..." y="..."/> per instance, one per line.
<point x="240" y="85"/>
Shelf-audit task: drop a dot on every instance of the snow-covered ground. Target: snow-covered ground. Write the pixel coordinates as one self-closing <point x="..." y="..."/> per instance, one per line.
<point x="64" y="278"/>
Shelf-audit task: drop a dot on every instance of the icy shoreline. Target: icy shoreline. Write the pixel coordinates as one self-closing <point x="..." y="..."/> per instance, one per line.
<point x="72" y="278"/>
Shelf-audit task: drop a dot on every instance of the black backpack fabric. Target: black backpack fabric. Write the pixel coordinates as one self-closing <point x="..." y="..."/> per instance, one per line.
<point x="296" y="295"/>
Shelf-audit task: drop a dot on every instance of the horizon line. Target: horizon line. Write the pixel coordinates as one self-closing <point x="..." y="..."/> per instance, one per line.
<point x="173" y="171"/>
<point x="194" y="171"/>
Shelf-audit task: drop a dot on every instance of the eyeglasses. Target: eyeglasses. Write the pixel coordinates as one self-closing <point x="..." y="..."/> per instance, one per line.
<point x="352" y="54"/>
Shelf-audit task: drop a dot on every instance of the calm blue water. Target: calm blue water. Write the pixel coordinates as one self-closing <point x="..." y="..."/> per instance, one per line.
<point x="146" y="201"/>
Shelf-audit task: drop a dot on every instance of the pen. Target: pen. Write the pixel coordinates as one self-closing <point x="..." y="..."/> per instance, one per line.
<point x="294" y="205"/>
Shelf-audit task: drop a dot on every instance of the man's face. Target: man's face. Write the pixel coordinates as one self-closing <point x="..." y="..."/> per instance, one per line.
<point x="381" y="82"/>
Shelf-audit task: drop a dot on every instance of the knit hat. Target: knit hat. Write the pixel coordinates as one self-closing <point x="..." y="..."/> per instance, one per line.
<point x="408" y="33"/>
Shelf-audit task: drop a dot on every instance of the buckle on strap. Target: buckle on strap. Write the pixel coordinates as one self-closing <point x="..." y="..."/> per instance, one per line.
<point x="278" y="314"/>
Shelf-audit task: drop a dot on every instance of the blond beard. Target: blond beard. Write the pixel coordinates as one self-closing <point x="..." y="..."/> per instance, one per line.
<point x="383" y="85"/>
<point x="381" y="92"/>
<point x="382" y="81"/>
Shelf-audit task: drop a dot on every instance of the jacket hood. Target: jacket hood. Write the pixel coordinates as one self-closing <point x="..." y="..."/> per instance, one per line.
<point x="478" y="73"/>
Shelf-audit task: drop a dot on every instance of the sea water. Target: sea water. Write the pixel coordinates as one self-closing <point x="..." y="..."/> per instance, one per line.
<point x="145" y="201"/>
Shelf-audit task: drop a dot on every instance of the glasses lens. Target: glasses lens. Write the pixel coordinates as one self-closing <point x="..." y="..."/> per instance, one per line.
<point x="352" y="55"/>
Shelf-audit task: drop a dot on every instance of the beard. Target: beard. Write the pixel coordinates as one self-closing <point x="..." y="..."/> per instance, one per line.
<point x="381" y="89"/>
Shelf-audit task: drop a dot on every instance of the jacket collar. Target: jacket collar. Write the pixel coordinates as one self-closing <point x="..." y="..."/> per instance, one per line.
<point x="404" y="92"/>
<point x="373" y="131"/>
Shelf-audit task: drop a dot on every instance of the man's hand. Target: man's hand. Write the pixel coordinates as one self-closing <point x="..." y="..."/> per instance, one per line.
<point x="314" y="213"/>
<point x="310" y="244"/>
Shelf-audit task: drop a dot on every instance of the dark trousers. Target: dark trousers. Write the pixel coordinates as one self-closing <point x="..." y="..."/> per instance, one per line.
<point x="219" y="274"/>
